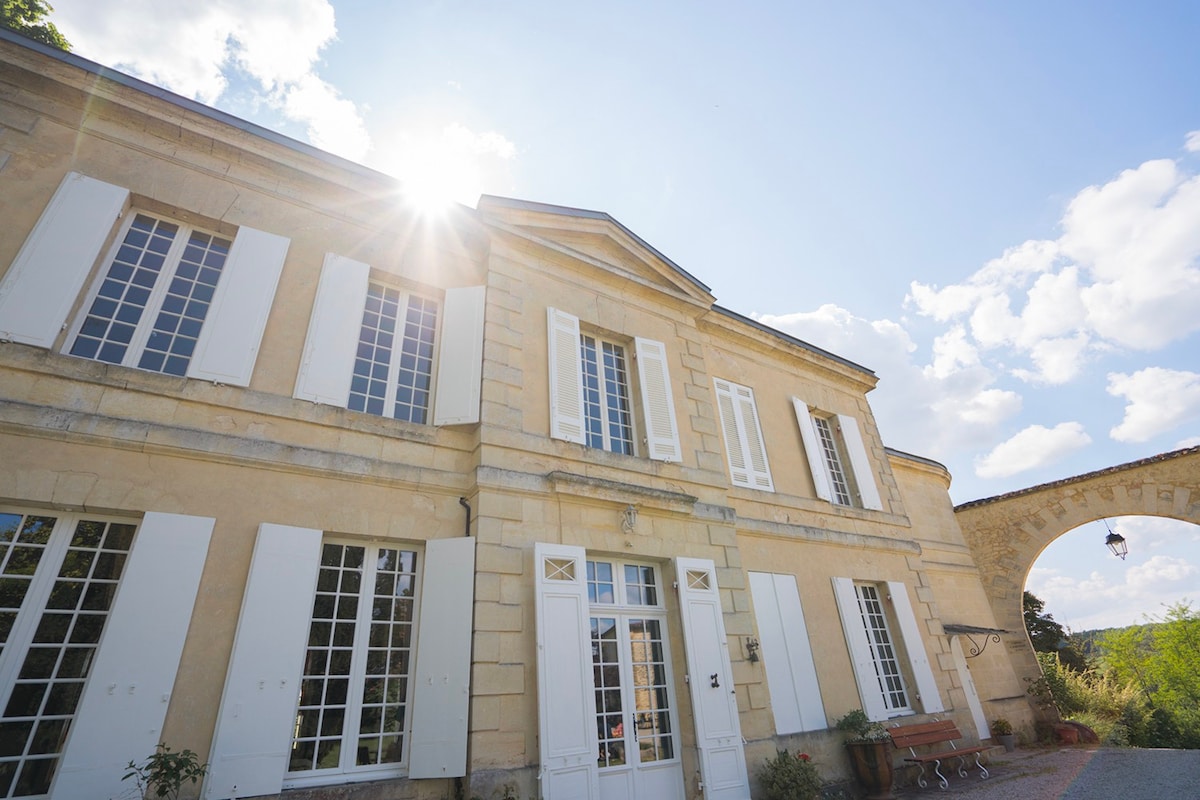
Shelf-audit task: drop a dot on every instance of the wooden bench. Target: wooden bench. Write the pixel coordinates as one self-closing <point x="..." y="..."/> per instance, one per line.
<point x="941" y="733"/>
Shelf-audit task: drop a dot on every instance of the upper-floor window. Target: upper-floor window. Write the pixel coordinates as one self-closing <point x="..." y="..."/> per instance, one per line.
<point x="149" y="305"/>
<point x="745" y="449"/>
<point x="592" y="391"/>
<point x="381" y="348"/>
<point x="393" y="367"/>
<point x="606" y="411"/>
<point x="167" y="297"/>
<point x="833" y="447"/>
<point x="841" y="470"/>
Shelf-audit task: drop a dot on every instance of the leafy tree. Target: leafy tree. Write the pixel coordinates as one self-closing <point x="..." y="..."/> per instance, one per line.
<point x="1160" y="660"/>
<point x="26" y="18"/>
<point x="1048" y="636"/>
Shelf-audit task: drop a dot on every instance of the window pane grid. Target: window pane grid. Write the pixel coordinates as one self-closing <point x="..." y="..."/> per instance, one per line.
<point x="837" y="475"/>
<point x="652" y="707"/>
<point x="354" y="693"/>
<point x="610" y="717"/>
<point x="634" y="713"/>
<point x="389" y="373"/>
<point x="600" y="583"/>
<point x="608" y="422"/>
<point x="883" y="653"/>
<point x="185" y="305"/>
<point x="111" y="322"/>
<point x="415" y="371"/>
<point x="45" y="694"/>
<point x="23" y="541"/>
<point x="640" y="586"/>
<point x="389" y="655"/>
<point x="372" y="363"/>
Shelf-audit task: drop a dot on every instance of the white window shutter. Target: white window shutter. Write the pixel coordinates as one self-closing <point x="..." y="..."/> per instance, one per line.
<point x="460" y="361"/>
<point x="864" y="476"/>
<point x="735" y="448"/>
<point x="232" y="332"/>
<point x="718" y="728"/>
<point x="121" y="713"/>
<point x="756" y="447"/>
<point x="250" y="748"/>
<point x="658" y="405"/>
<point x="787" y="654"/>
<point x="328" y="362"/>
<point x="566" y="684"/>
<point x="914" y="646"/>
<point x="812" y="449"/>
<point x="744" y="446"/>
<point x="566" y="377"/>
<point x="869" y="690"/>
<point x="443" y="669"/>
<point x="43" y="282"/>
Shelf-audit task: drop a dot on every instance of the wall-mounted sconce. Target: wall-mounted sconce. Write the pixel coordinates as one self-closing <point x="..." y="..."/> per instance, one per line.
<point x="752" y="650"/>
<point x="629" y="519"/>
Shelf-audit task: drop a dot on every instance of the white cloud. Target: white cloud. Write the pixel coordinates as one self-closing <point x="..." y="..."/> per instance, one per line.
<point x="1192" y="143"/>
<point x="191" y="46"/>
<point x="333" y="121"/>
<point x="1191" y="441"/>
<point x="1035" y="446"/>
<point x="952" y="352"/>
<point x="1124" y="273"/>
<point x="1058" y="361"/>
<point x="1158" y="400"/>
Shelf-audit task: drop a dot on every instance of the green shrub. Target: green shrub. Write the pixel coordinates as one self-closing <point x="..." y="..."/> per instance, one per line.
<point x="790" y="777"/>
<point x="164" y="773"/>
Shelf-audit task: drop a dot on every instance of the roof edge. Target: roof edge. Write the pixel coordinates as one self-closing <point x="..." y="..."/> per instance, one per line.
<point x="929" y="462"/>
<point x="583" y="213"/>
<point x="193" y="106"/>
<point x="812" y="348"/>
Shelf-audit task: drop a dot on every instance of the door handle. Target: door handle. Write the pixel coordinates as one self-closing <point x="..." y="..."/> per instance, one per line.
<point x="715" y="683"/>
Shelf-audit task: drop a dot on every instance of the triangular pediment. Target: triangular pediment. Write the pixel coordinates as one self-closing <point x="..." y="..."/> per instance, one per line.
<point x="595" y="238"/>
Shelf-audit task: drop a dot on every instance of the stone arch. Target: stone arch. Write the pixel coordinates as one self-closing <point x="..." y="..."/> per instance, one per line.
<point x="1008" y="532"/>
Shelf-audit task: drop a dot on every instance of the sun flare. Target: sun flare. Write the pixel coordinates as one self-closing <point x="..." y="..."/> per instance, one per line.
<point x="436" y="171"/>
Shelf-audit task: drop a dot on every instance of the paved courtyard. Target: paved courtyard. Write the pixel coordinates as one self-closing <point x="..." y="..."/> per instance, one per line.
<point x="1077" y="773"/>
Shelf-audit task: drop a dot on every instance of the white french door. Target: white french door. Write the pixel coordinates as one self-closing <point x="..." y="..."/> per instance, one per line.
<point x="636" y="719"/>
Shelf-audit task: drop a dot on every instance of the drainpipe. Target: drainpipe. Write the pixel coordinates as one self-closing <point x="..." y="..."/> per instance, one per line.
<point x="459" y="789"/>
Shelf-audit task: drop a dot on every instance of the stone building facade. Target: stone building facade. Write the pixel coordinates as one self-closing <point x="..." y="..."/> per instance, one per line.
<point x="354" y="501"/>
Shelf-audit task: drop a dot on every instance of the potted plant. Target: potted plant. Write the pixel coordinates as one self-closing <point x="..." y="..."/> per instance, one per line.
<point x="1002" y="729"/>
<point x="870" y="750"/>
<point x="788" y="777"/>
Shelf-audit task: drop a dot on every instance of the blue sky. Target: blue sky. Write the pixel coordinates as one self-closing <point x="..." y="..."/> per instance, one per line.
<point x="995" y="206"/>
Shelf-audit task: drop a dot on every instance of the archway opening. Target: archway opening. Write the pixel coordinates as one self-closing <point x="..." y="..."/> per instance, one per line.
<point x="1086" y="587"/>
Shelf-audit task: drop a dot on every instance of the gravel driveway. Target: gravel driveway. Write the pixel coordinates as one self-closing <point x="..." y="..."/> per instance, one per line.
<point x="1077" y="773"/>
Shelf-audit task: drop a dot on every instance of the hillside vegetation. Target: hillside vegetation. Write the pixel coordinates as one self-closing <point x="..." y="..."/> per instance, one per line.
<point x="1137" y="686"/>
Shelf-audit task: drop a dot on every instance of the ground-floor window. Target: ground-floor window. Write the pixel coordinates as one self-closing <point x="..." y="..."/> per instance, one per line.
<point x="58" y="577"/>
<point x="883" y="651"/>
<point x="355" y="691"/>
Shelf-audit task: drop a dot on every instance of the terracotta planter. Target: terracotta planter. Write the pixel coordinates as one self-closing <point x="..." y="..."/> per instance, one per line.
<point x="872" y="763"/>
